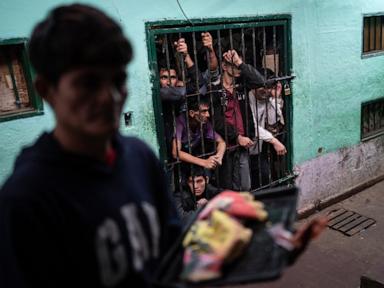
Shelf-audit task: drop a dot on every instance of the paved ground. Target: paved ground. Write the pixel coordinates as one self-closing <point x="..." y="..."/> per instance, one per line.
<point x="336" y="260"/>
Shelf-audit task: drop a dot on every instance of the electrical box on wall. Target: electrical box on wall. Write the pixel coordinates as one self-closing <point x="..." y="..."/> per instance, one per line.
<point x="128" y="118"/>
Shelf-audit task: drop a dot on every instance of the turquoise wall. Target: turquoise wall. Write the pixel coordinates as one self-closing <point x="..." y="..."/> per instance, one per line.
<point x="332" y="79"/>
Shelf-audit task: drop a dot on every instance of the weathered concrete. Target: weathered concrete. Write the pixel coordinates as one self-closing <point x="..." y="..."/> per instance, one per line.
<point x="328" y="176"/>
<point x="336" y="260"/>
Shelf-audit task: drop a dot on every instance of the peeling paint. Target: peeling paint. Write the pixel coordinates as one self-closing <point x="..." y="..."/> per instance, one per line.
<point x="334" y="173"/>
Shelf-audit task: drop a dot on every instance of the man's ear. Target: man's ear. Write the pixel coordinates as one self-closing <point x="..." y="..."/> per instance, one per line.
<point x="206" y="179"/>
<point x="44" y="88"/>
<point x="191" y="113"/>
<point x="224" y="66"/>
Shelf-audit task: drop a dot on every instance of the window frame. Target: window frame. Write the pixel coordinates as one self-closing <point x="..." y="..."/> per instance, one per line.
<point x="37" y="107"/>
<point x="371" y="134"/>
<point x="373" y="53"/>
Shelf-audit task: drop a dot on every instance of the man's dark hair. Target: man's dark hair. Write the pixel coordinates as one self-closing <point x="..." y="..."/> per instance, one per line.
<point x="192" y="171"/>
<point x="194" y="103"/>
<point x="76" y="36"/>
<point x="162" y="64"/>
<point x="195" y="170"/>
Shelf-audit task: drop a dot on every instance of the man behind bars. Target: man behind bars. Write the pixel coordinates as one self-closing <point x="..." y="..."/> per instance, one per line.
<point x="196" y="142"/>
<point x="266" y="106"/>
<point x="174" y="87"/>
<point x="84" y="206"/>
<point x="229" y="120"/>
<point x="195" y="192"/>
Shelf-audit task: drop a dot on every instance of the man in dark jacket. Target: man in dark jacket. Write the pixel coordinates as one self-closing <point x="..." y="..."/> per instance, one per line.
<point x="229" y="120"/>
<point x="84" y="206"/>
<point x="196" y="192"/>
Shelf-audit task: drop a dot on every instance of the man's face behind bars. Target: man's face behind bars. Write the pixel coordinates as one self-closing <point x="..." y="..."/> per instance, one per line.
<point x="88" y="101"/>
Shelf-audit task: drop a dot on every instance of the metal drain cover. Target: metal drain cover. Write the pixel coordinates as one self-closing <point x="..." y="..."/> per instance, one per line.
<point x="348" y="222"/>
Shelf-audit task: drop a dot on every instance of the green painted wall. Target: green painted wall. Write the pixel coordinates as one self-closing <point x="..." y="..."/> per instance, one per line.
<point x="331" y="81"/>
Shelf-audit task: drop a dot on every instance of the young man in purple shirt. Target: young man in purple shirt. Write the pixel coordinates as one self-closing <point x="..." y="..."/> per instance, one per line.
<point x="195" y="136"/>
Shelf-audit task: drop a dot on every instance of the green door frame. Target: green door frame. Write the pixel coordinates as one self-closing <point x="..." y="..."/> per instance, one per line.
<point x="201" y="25"/>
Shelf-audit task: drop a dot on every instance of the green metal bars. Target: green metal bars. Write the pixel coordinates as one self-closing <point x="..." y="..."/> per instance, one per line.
<point x="262" y="42"/>
<point x="372" y="119"/>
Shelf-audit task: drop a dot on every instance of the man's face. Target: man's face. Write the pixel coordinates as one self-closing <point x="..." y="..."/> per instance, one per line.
<point x="263" y="93"/>
<point x="168" y="78"/>
<point x="202" y="115"/>
<point x="88" y="101"/>
<point x="197" y="184"/>
<point x="231" y="70"/>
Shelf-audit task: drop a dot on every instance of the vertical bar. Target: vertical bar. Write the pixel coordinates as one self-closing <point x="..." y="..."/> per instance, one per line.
<point x="288" y="113"/>
<point x="245" y="90"/>
<point x="254" y="47"/>
<point x="378" y="33"/>
<point x="169" y="82"/>
<point x="181" y="57"/>
<point x="366" y="35"/>
<point x="279" y="158"/>
<point x="382" y="32"/>
<point x="372" y="33"/>
<point x="266" y="101"/>
<point x="382" y="114"/>
<point x="212" y="111"/>
<point x="230" y="39"/>
<point x="367" y="117"/>
<point x="362" y="121"/>
<point x="235" y="98"/>
<point x="256" y="108"/>
<point x="220" y="60"/>
<point x="377" y="116"/>
<point x="198" y="87"/>
<point x="370" y="118"/>
<point x="9" y="60"/>
<point x="246" y="102"/>
<point x="182" y="64"/>
<point x="173" y="112"/>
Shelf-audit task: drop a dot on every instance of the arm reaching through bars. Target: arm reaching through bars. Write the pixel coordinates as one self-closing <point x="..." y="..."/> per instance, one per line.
<point x="194" y="133"/>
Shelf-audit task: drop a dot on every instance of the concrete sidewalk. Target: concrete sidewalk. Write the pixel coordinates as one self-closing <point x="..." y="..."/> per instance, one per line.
<point x="336" y="260"/>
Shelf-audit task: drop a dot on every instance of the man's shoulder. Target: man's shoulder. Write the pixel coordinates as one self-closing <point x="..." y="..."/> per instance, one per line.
<point x="21" y="182"/>
<point x="28" y="171"/>
<point x="212" y="191"/>
<point x="136" y="148"/>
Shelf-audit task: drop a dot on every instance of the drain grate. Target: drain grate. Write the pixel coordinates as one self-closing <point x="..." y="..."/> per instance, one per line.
<point x="348" y="222"/>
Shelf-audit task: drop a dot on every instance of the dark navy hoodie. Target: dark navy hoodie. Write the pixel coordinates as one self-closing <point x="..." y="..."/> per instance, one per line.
<point x="67" y="220"/>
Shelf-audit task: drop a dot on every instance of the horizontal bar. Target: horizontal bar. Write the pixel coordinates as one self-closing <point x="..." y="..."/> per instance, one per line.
<point x="163" y="24"/>
<point x="277" y="182"/>
<point x="372" y="135"/>
<point x="224" y="26"/>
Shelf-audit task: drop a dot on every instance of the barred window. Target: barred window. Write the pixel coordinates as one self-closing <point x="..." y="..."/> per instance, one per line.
<point x="372" y="119"/>
<point x="373" y="40"/>
<point x="205" y="96"/>
<point x="17" y="96"/>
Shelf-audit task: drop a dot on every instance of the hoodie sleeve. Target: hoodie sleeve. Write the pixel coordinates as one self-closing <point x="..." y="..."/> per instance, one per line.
<point x="24" y="243"/>
<point x="11" y="275"/>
